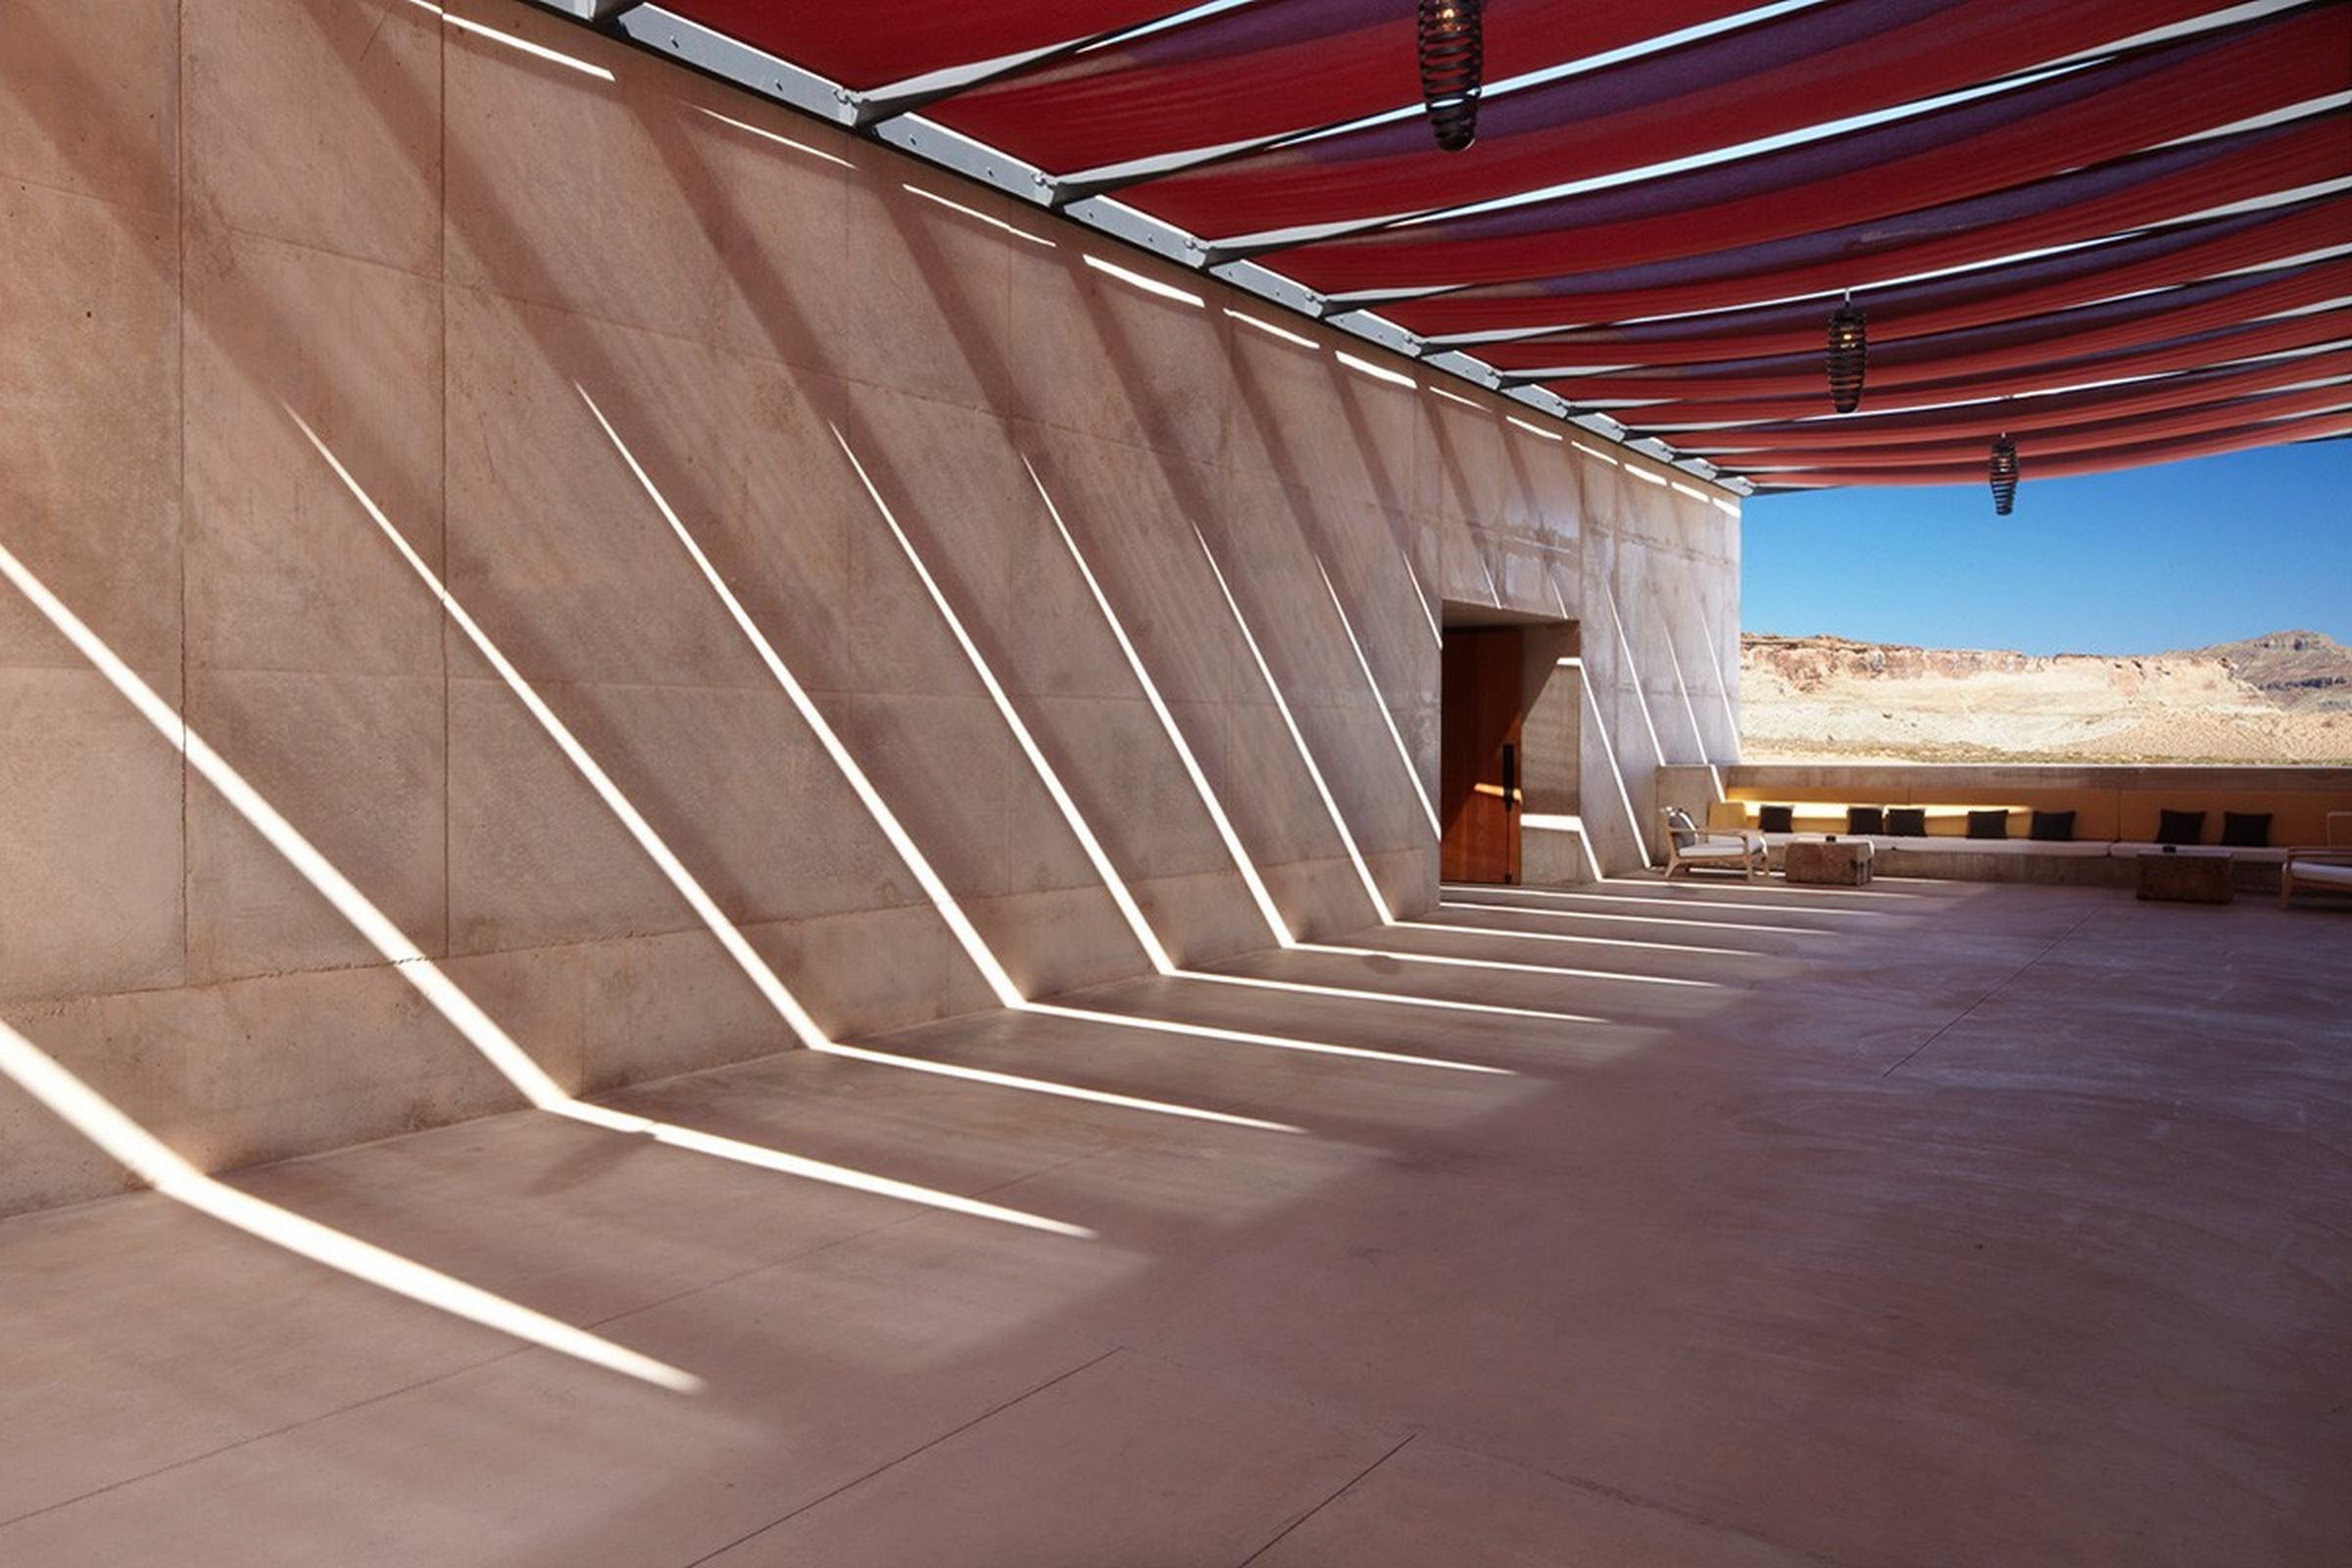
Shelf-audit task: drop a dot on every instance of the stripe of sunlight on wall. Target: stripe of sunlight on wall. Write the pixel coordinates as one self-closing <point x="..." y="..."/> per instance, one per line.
<point x="1437" y="634"/>
<point x="1148" y="940"/>
<point x="1723" y="684"/>
<point x="1633" y="671"/>
<point x="731" y="940"/>
<point x="1608" y="754"/>
<point x="407" y="961"/>
<point x="1699" y="736"/>
<point x="960" y="925"/>
<point x="146" y="1156"/>
<point x="1243" y="863"/>
<point x="1412" y="774"/>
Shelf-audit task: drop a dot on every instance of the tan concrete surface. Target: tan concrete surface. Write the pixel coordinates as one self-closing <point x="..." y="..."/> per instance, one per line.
<point x="220" y="216"/>
<point x="1953" y="1225"/>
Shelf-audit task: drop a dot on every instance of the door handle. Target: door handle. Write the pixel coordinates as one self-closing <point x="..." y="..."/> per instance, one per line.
<point x="1511" y="775"/>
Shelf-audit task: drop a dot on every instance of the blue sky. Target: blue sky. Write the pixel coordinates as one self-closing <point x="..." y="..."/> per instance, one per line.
<point x="2176" y="555"/>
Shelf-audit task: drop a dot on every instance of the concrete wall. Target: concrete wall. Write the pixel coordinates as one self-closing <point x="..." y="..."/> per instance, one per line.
<point x="220" y="216"/>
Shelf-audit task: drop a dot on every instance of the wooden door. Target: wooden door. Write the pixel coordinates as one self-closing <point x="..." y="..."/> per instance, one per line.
<point x="1478" y="773"/>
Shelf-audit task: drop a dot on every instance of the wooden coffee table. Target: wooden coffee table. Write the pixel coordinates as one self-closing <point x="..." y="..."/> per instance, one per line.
<point x="2185" y="877"/>
<point x="1836" y="862"/>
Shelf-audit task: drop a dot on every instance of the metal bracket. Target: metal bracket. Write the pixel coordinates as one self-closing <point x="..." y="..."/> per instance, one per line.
<point x="952" y="150"/>
<point x="1271" y="285"/>
<point x="717" y="55"/>
<point x="1121" y="222"/>
<point x="592" y="10"/>
<point x="1465" y="367"/>
<point x="1539" y="399"/>
<point x="1377" y="329"/>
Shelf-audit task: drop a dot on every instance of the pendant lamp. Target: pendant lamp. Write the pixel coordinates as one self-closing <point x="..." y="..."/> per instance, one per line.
<point x="1452" y="67"/>
<point x="1849" y="350"/>
<point x="2004" y="474"/>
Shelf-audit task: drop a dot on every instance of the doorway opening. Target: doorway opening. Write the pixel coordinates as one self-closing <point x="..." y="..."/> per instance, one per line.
<point x="1479" y="754"/>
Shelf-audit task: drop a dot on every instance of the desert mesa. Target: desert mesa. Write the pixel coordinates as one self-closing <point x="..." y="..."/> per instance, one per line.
<point x="2285" y="697"/>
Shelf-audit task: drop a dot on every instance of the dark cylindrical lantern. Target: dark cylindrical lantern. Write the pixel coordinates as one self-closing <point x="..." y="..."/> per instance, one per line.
<point x="1452" y="65"/>
<point x="1849" y="350"/>
<point x="2004" y="474"/>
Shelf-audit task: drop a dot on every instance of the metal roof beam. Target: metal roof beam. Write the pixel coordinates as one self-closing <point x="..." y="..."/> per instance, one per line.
<point x="662" y="31"/>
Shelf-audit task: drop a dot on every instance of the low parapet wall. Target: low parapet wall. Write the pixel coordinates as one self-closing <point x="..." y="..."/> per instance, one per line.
<point x="2111" y="803"/>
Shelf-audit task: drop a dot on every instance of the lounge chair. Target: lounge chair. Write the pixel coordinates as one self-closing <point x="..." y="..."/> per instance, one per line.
<point x="1689" y="846"/>
<point x="2314" y="870"/>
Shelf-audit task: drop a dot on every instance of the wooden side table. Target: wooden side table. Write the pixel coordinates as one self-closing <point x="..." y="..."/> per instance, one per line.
<point x="1836" y="862"/>
<point x="2185" y="878"/>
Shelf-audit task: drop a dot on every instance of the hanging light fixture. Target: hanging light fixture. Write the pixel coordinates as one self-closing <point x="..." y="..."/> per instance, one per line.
<point x="1452" y="63"/>
<point x="1849" y="350"/>
<point x="2004" y="474"/>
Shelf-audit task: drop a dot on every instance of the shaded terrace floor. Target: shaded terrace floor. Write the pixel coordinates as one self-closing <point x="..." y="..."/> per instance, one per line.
<point x="1952" y="1224"/>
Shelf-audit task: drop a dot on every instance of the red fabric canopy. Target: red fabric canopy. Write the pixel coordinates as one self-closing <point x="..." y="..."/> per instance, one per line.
<point x="1274" y="68"/>
<point x="1970" y="299"/>
<point x="2022" y="134"/>
<point x="1856" y="433"/>
<point x="2067" y="209"/>
<point x="2146" y="321"/>
<point x="874" y="42"/>
<point x="2084" y="219"/>
<point x="2085" y="436"/>
<point x="2126" y="455"/>
<point x="1690" y="407"/>
<point x="1848" y="57"/>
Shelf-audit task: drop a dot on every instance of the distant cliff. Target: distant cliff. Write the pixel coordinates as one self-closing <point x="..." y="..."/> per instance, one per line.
<point x="2282" y="698"/>
<point x="2296" y="670"/>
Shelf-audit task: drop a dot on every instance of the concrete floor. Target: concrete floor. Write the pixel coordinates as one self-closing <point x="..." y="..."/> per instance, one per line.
<point x="1950" y="1224"/>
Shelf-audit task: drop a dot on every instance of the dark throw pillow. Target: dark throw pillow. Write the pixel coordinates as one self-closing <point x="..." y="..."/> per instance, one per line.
<point x="2179" y="827"/>
<point x="1988" y="824"/>
<point x="2246" y="830"/>
<point x="2054" y="827"/>
<point x="1865" y="820"/>
<point x="1776" y="818"/>
<point x="1907" y="821"/>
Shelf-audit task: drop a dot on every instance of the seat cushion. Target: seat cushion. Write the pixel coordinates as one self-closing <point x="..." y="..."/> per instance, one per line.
<point x="2179" y="827"/>
<point x="2322" y="873"/>
<point x="2246" y="830"/>
<point x="1988" y="824"/>
<point x="2052" y="827"/>
<point x="1776" y="818"/>
<point x="1907" y="821"/>
<point x="2072" y="848"/>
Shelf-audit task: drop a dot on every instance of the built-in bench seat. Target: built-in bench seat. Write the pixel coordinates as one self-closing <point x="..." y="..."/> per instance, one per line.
<point x="1956" y="844"/>
<point x="1945" y="844"/>
<point x="2270" y="855"/>
<point x="2116" y="812"/>
<point x="1950" y="844"/>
